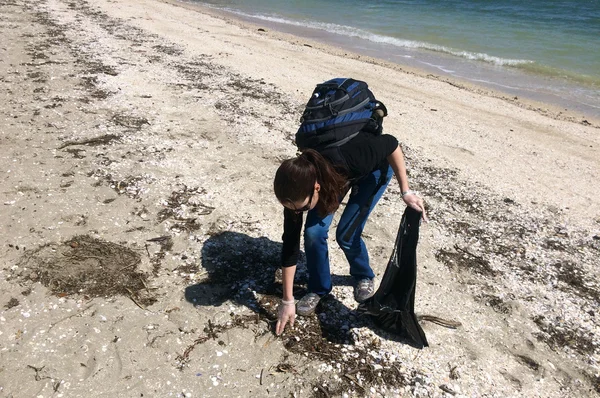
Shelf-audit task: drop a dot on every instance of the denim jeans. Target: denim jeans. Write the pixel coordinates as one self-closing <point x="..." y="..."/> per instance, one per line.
<point x="350" y="241"/>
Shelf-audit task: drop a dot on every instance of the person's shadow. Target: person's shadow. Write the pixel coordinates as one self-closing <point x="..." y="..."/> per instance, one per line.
<point x="243" y="269"/>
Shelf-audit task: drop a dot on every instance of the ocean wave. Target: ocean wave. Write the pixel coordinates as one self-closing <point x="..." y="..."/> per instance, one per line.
<point x="563" y="74"/>
<point x="525" y="65"/>
<point x="366" y="35"/>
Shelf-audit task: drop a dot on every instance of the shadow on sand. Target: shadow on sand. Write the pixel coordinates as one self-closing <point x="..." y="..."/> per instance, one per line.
<point x="242" y="269"/>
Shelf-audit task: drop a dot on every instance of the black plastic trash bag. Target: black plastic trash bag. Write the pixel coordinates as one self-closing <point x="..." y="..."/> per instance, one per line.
<point x="393" y="305"/>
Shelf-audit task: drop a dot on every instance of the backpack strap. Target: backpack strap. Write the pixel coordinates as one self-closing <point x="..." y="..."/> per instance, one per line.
<point x="341" y="142"/>
<point x="335" y="113"/>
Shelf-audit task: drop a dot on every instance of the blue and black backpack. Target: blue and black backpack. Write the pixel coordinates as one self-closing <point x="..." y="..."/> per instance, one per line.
<point x="336" y="112"/>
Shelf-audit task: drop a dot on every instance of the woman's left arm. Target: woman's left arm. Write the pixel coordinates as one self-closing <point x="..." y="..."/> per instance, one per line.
<point x="396" y="160"/>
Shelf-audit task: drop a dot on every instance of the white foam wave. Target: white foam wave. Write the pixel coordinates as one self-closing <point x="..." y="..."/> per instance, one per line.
<point x="363" y="34"/>
<point x="440" y="67"/>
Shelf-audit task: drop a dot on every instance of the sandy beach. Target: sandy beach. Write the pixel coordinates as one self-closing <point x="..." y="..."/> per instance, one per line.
<point x="140" y="234"/>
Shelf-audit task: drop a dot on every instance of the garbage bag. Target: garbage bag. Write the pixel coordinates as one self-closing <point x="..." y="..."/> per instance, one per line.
<point x="392" y="308"/>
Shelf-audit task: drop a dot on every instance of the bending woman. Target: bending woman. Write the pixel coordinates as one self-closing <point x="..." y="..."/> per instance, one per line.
<point x="310" y="183"/>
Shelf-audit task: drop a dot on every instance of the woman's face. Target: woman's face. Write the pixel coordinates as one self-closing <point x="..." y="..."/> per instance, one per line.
<point x="307" y="204"/>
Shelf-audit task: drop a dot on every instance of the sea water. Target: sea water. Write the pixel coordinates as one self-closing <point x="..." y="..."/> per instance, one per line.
<point x="545" y="50"/>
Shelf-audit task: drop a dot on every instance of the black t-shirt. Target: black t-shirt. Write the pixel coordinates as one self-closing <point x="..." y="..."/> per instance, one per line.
<point x="363" y="154"/>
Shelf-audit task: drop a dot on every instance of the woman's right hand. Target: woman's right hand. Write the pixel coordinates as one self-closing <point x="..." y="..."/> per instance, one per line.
<point x="285" y="313"/>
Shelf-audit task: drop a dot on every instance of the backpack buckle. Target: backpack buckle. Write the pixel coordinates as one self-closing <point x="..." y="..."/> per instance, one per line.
<point x="333" y="112"/>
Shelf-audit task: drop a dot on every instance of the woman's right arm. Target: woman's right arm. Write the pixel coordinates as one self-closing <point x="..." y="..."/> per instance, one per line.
<point x="287" y="309"/>
<point x="292" y="227"/>
<point x="288" y="282"/>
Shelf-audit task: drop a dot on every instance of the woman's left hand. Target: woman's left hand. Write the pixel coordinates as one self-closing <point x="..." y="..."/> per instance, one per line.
<point x="413" y="200"/>
<point x="396" y="160"/>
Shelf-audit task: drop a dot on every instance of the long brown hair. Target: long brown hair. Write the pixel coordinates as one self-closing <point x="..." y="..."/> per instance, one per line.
<point x="295" y="181"/>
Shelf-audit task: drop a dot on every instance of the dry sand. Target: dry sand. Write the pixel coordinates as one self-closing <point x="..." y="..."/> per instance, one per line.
<point x="140" y="234"/>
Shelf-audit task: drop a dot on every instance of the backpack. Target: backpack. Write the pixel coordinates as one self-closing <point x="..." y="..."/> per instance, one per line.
<point x="336" y="112"/>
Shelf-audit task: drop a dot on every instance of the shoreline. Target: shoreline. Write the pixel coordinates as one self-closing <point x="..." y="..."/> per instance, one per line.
<point x="287" y="34"/>
<point x="141" y="236"/>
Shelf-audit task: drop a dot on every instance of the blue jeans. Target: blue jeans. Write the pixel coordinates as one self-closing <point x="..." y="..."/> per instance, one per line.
<point x="348" y="234"/>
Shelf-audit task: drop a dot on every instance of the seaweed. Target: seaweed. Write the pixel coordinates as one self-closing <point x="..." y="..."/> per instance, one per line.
<point x="84" y="265"/>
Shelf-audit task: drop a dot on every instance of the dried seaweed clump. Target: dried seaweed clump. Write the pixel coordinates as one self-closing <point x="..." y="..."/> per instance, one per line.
<point x="88" y="266"/>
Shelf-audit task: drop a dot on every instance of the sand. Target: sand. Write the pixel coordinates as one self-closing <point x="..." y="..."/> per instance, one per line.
<point x="140" y="235"/>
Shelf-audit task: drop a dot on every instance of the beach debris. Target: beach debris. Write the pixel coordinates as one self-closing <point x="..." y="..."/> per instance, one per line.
<point x="130" y="122"/>
<point x="465" y="259"/>
<point x="13" y="302"/>
<point x="447" y="323"/>
<point x="322" y="390"/>
<point x="286" y="368"/>
<point x="88" y="266"/>
<point x="529" y="362"/>
<point x="132" y="297"/>
<point x="166" y="244"/>
<point x="261" y="376"/>
<point x="453" y="370"/>
<point x="212" y="331"/>
<point x="131" y="186"/>
<point x="40" y="375"/>
<point x="100" y="140"/>
<point x="168" y="49"/>
<point x="181" y="206"/>
<point x="447" y="389"/>
<point x="163" y="240"/>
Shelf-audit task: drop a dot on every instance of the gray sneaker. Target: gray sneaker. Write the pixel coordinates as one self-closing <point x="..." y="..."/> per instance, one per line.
<point x="364" y="289"/>
<point x="308" y="304"/>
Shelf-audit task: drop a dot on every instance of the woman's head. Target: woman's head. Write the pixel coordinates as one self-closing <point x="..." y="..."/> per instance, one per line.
<point x="309" y="181"/>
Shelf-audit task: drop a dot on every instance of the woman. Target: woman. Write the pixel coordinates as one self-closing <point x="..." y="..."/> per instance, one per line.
<point x="310" y="183"/>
